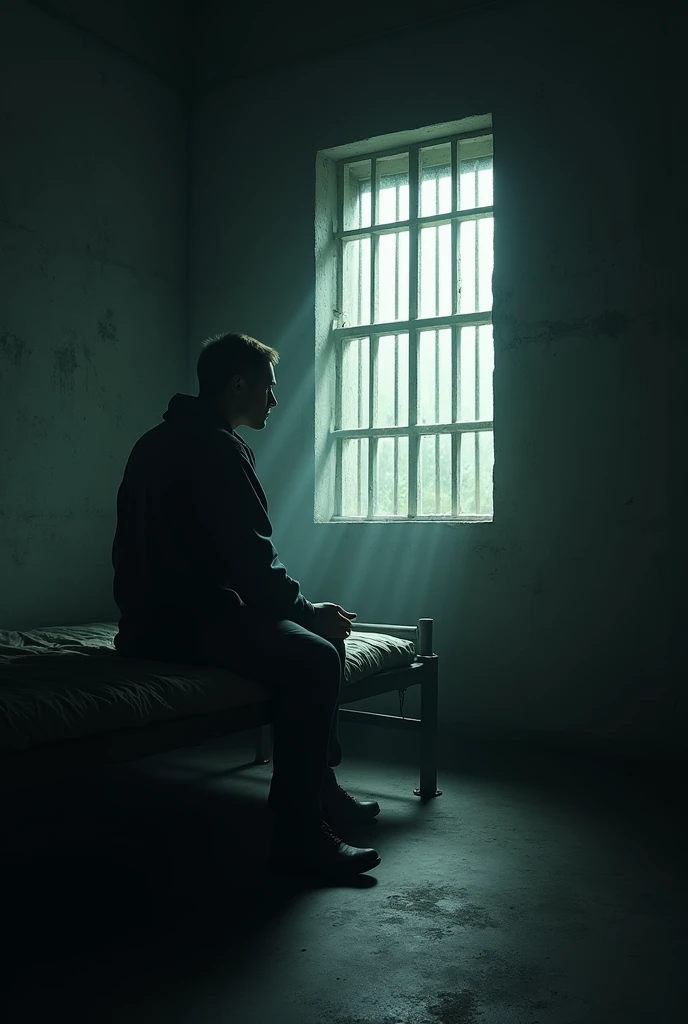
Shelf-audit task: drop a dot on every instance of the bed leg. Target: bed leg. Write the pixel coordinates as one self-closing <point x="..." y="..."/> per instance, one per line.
<point x="263" y="744"/>
<point x="428" y="733"/>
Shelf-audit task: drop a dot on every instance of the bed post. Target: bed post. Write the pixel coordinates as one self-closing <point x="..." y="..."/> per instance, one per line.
<point x="263" y="744"/>
<point x="428" y="713"/>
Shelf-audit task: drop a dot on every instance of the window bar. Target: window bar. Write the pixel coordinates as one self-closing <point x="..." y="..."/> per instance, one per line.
<point x="337" y="426"/>
<point x="437" y="419"/>
<point x="359" y="285"/>
<point x="373" y="238"/>
<point x="339" y="227"/>
<point x="477" y="416"/>
<point x="476" y="444"/>
<point x="372" y="343"/>
<point x="396" y="275"/>
<point x="359" y="443"/>
<point x="372" y="441"/>
<point x="414" y="439"/>
<point x="455" y="437"/>
<point x="397" y="210"/>
<point x="454" y="228"/>
<point x="477" y="258"/>
<point x="339" y="444"/>
<point x="476" y="435"/>
<point x="436" y="229"/>
<point x="476" y="447"/>
<point x="396" y="420"/>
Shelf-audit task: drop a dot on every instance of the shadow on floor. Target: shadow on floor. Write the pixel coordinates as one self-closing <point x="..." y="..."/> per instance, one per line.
<point x="121" y="878"/>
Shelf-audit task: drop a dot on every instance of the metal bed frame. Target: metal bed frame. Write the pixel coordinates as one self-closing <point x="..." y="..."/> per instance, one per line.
<point x="422" y="672"/>
<point x="19" y="768"/>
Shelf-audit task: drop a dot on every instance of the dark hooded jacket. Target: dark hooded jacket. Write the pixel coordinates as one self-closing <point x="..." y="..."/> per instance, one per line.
<point x="193" y="539"/>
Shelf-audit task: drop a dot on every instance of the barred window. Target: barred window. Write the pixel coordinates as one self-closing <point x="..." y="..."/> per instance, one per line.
<point x="413" y="433"/>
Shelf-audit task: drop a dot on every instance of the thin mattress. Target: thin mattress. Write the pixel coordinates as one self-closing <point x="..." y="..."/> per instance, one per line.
<point x="64" y="682"/>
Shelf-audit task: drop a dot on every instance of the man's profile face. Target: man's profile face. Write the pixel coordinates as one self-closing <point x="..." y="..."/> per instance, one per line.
<point x="257" y="401"/>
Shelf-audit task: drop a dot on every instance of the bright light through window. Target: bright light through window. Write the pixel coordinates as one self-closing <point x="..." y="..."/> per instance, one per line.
<point x="413" y="429"/>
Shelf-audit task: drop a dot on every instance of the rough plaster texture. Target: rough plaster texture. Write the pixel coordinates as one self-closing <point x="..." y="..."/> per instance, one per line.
<point x="91" y="303"/>
<point x="559" y="615"/>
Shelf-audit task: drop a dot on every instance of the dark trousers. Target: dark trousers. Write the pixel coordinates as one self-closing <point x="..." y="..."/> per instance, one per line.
<point x="306" y="673"/>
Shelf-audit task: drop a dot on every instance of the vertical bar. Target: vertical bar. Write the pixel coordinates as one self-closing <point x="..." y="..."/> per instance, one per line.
<point x="372" y="441"/>
<point x="339" y="227"/>
<point x="373" y="317"/>
<point x="458" y="173"/>
<point x="477" y="412"/>
<point x="424" y="630"/>
<point x="476" y="445"/>
<point x="339" y="347"/>
<point x="429" y="714"/>
<point x="414" y="440"/>
<point x="454" y="230"/>
<point x="396" y="423"/>
<point x="396" y="476"/>
<point x="477" y="373"/>
<point x="477" y="267"/>
<point x="359" y="446"/>
<point x="436" y="229"/>
<point x="397" y="192"/>
<point x="396" y="275"/>
<point x="455" y="437"/>
<point x="437" y="419"/>
<point x="437" y="376"/>
<point x="264" y="744"/>
<point x="373" y="239"/>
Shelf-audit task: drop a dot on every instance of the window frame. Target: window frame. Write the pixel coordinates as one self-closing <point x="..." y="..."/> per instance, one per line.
<point x="412" y="327"/>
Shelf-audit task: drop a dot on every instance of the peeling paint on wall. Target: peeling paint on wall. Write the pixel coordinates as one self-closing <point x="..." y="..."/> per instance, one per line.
<point x="12" y="349"/>
<point x="107" y="330"/>
<point x="88" y="363"/>
<point x="65" y="367"/>
<point x="612" y="323"/>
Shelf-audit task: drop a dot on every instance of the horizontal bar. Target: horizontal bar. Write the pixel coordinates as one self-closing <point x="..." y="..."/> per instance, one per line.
<point x="415" y="429"/>
<point x="376" y="627"/>
<point x="443" y="518"/>
<point x="431" y="323"/>
<point x="386" y="721"/>
<point x="476" y="213"/>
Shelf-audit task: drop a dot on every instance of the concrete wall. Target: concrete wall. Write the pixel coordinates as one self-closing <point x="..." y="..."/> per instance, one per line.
<point x="557" y="617"/>
<point x="92" y="339"/>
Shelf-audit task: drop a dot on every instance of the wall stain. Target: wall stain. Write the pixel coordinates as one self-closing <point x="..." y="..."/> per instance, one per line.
<point x="612" y="323"/>
<point x="107" y="330"/>
<point x="65" y="367"/>
<point x="12" y="348"/>
<point x="90" y="368"/>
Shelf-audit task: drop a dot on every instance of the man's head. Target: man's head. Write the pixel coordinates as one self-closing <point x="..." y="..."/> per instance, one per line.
<point x="236" y="374"/>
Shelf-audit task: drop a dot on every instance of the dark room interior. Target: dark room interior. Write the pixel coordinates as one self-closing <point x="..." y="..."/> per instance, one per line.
<point x="171" y="170"/>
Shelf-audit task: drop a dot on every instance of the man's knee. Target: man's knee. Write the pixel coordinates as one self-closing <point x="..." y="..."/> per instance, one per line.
<point x="323" y="666"/>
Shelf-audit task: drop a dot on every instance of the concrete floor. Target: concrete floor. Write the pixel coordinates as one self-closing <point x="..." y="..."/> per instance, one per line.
<point x="536" y="889"/>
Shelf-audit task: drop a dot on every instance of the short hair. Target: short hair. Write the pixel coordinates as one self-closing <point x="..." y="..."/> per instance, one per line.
<point x="224" y="355"/>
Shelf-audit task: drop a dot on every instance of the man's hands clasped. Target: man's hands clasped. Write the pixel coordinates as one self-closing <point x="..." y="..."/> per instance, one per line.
<point x="331" y="621"/>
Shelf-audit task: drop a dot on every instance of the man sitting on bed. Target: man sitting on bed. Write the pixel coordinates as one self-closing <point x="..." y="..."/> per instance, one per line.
<point x="198" y="579"/>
